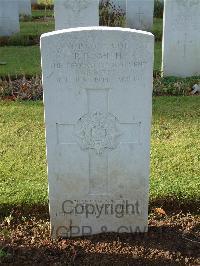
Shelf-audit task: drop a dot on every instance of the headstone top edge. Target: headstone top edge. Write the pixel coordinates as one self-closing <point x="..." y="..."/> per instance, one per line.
<point x="96" y="28"/>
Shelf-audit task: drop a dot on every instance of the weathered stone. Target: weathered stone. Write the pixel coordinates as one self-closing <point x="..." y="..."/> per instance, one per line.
<point x="76" y="13"/>
<point x="119" y="4"/>
<point x="97" y="95"/>
<point x="139" y="14"/>
<point x="9" y="17"/>
<point x="25" y="7"/>
<point x="181" y="38"/>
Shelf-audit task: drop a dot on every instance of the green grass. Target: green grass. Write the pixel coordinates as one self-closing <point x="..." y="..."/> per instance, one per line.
<point x="42" y="13"/>
<point x="30" y="32"/>
<point x="20" y="60"/>
<point x="36" y="28"/>
<point x="22" y="164"/>
<point x="46" y="2"/>
<point x="157" y="28"/>
<point x="175" y="151"/>
<point x="157" y="56"/>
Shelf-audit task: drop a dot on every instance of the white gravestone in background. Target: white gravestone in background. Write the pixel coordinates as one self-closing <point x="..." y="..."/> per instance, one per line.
<point x="76" y="13"/>
<point x="97" y="95"/>
<point x="25" y="7"/>
<point x="181" y="38"/>
<point x="139" y="14"/>
<point x="119" y="4"/>
<point x="9" y="17"/>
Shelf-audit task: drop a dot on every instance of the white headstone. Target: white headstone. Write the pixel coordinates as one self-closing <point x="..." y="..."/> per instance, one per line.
<point x="119" y="4"/>
<point x="76" y="13"/>
<point x="9" y="17"/>
<point x="181" y="38"/>
<point x="25" y="7"/>
<point x="97" y="95"/>
<point x="139" y="14"/>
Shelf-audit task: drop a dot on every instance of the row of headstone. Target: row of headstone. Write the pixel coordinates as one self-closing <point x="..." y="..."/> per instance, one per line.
<point x="181" y="39"/>
<point x="180" y="31"/>
<point x="9" y="15"/>
<point x="67" y="13"/>
<point x="78" y="13"/>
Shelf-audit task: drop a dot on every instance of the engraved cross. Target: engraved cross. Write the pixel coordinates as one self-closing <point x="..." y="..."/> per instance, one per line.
<point x="98" y="133"/>
<point x="139" y="14"/>
<point x="185" y="42"/>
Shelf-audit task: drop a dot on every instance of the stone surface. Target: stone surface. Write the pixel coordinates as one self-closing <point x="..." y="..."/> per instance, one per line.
<point x="139" y="14"/>
<point x="76" y="13"/>
<point x="97" y="95"/>
<point x="9" y="17"/>
<point x="181" y="38"/>
<point x="25" y="7"/>
<point x="120" y="4"/>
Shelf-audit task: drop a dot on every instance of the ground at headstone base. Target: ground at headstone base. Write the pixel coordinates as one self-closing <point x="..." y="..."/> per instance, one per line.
<point x="30" y="88"/>
<point x="173" y="239"/>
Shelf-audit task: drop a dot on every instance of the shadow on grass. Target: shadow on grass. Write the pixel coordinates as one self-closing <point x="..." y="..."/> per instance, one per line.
<point x="176" y="205"/>
<point x="171" y="205"/>
<point x="36" y="210"/>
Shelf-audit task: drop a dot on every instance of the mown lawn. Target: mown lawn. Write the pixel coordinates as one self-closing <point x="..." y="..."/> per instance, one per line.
<point x="175" y="151"/>
<point x="20" y="60"/>
<point x="36" y="28"/>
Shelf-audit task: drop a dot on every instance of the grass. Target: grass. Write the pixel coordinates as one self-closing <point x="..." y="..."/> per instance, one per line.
<point x="29" y="34"/>
<point x="46" y="2"/>
<point x="36" y="28"/>
<point x="42" y="13"/>
<point x="175" y="149"/>
<point x="22" y="165"/>
<point x="175" y="155"/>
<point x="20" y="60"/>
<point x="157" y="28"/>
<point x="157" y="56"/>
